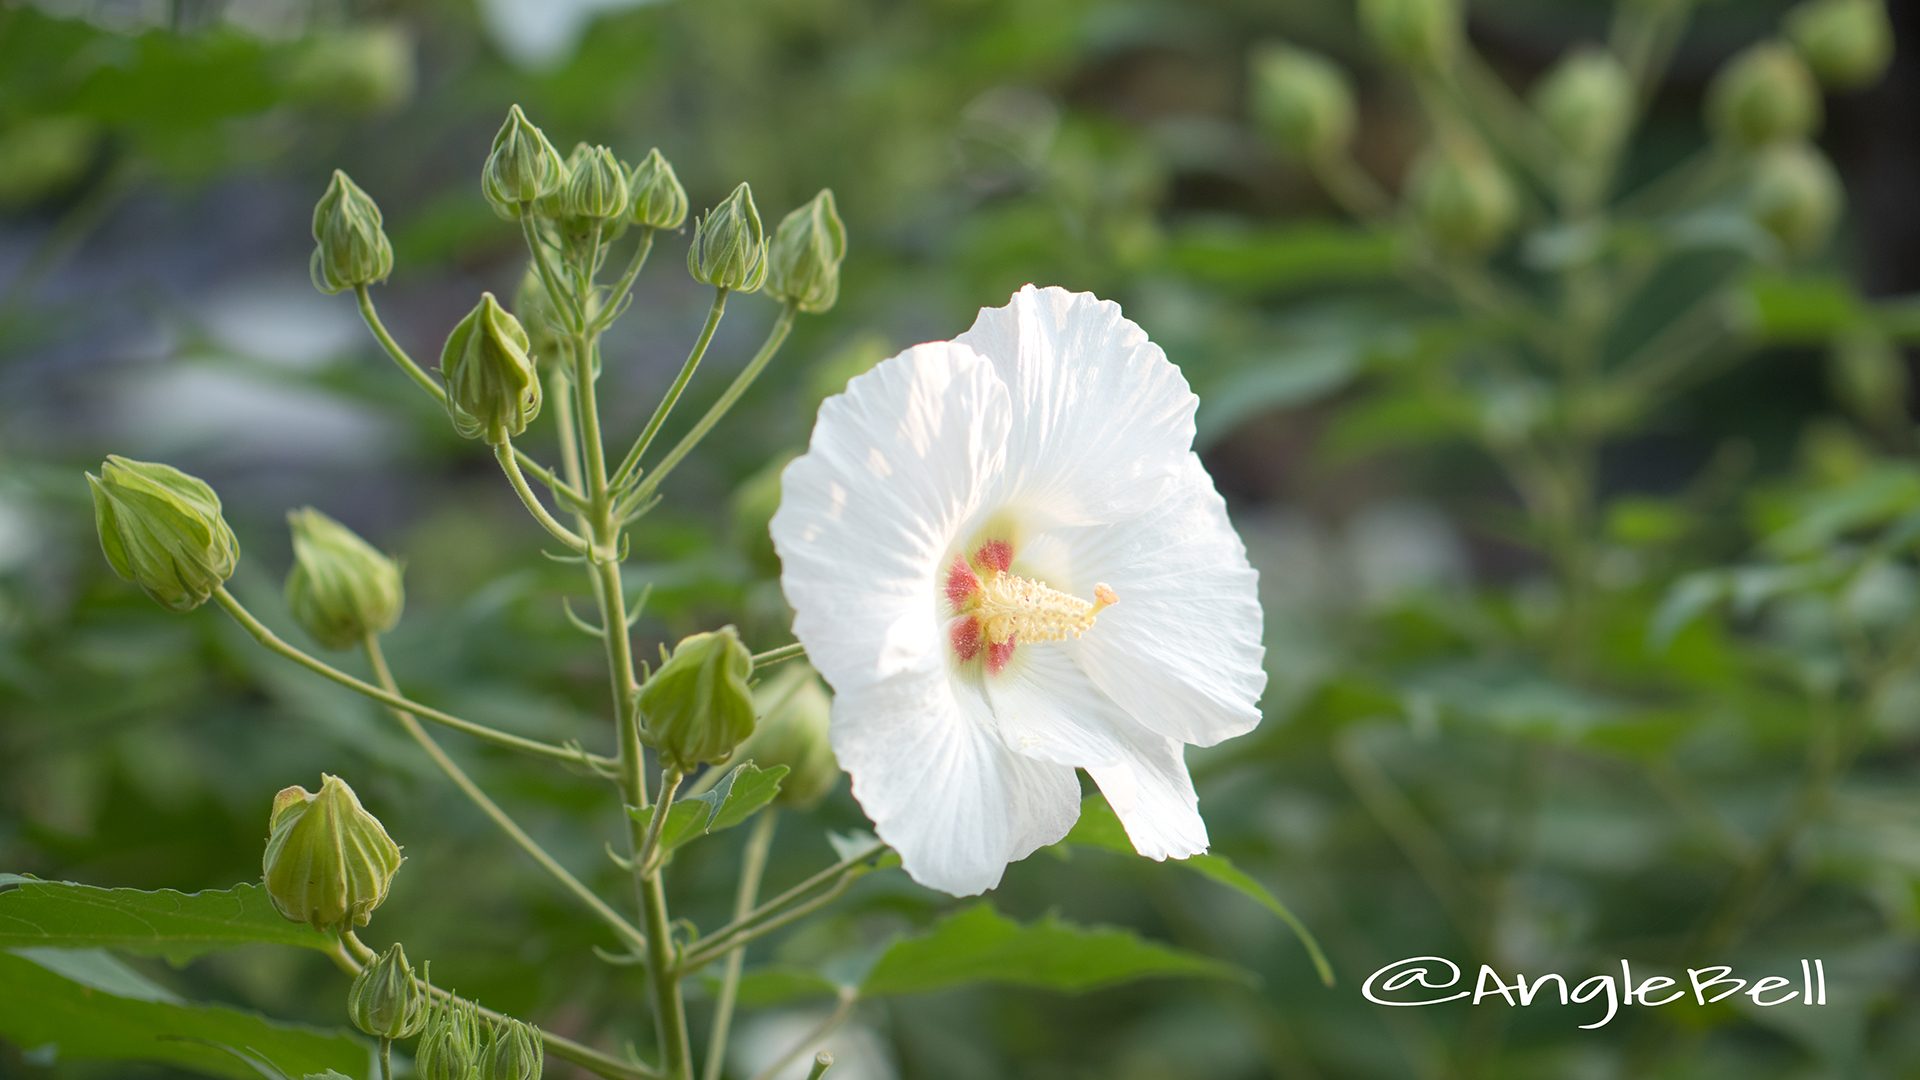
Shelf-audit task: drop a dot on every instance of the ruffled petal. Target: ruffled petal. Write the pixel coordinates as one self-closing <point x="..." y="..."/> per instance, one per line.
<point x="897" y="464"/>
<point x="940" y="787"/>
<point x="1152" y="793"/>
<point x="1100" y="417"/>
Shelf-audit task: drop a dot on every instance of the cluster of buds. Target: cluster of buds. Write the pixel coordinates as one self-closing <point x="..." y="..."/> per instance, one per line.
<point x="328" y="862"/>
<point x="460" y="1044"/>
<point x="696" y="707"/>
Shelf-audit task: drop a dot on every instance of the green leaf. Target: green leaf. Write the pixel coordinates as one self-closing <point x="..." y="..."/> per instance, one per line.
<point x="1099" y="827"/>
<point x="86" y="1005"/>
<point x="739" y="795"/>
<point x="1301" y="256"/>
<point x="1801" y="310"/>
<point x="979" y="945"/>
<point x="175" y="925"/>
<point x="778" y="984"/>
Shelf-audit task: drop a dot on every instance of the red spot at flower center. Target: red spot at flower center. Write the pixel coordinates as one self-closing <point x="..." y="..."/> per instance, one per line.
<point x="995" y="609"/>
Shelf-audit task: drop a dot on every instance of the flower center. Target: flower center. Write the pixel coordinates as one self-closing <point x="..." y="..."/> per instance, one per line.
<point x="996" y="609"/>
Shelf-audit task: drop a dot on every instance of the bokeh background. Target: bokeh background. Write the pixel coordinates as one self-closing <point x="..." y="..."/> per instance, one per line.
<point x="1442" y="769"/>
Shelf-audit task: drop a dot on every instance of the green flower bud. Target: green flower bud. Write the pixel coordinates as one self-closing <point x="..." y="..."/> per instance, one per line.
<point x="552" y="205"/>
<point x="659" y="202"/>
<point x="1587" y="102"/>
<point x="341" y="589"/>
<point x="162" y="530"/>
<point x="449" y="1049"/>
<point x="803" y="261"/>
<point x="697" y="706"/>
<point x="385" y="1001"/>
<point x="1421" y="34"/>
<point x="1796" y="196"/>
<point x="794" y="709"/>
<point x="1764" y="95"/>
<point x="351" y="248"/>
<point x="522" y="167"/>
<point x="493" y="391"/>
<point x="513" y="1053"/>
<point x="1461" y="199"/>
<point x="541" y="320"/>
<point x="729" y="251"/>
<point x="596" y="187"/>
<point x="1848" y="43"/>
<point x="1302" y="100"/>
<point x="328" y="862"/>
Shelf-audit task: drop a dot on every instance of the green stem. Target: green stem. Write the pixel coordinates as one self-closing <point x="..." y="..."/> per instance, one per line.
<point x="649" y="853"/>
<point x="780" y="910"/>
<point x="618" y="294"/>
<point x="774" y="656"/>
<point x="753" y="864"/>
<point x="631" y="463"/>
<point x="741" y="382"/>
<point x="569" y="306"/>
<point x="823" y="1060"/>
<point x="509" y="465"/>
<point x="386" y="1058"/>
<point x="275" y="643"/>
<point x="377" y="659"/>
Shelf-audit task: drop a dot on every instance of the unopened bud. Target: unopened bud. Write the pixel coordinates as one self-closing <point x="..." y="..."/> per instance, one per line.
<point x="596" y="188"/>
<point x="342" y="589"/>
<point x="1848" y="43"/>
<point x="522" y="167"/>
<point x="1764" y="95"/>
<point x="329" y="863"/>
<point x="493" y="391"/>
<point x="803" y="261"/>
<point x="794" y="709"/>
<point x="659" y="202"/>
<point x="1586" y="101"/>
<point x="729" y="249"/>
<point x="513" y="1053"/>
<point x="385" y="1001"/>
<point x="1796" y="196"/>
<point x="162" y="530"/>
<point x="697" y="707"/>
<point x="1462" y="200"/>
<point x="1303" y="101"/>
<point x="449" y="1048"/>
<point x="1422" y="34"/>
<point x="350" y="247"/>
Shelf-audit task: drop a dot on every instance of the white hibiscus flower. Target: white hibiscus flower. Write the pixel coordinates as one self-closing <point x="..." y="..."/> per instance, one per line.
<point x="1003" y="554"/>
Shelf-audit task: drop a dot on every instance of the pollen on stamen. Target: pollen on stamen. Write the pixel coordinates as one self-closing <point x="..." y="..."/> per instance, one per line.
<point x="995" y="555"/>
<point x="962" y="582"/>
<point x="965" y="636"/>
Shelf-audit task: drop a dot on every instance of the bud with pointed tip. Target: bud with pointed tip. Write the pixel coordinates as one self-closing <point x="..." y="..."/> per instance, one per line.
<point x="1764" y="95"/>
<point x="521" y="168"/>
<point x="351" y="249"/>
<point x="729" y="249"/>
<point x="659" y="202"/>
<point x="385" y="1001"/>
<point x="1587" y="102"/>
<point x="1462" y="200"/>
<point x="596" y="187"/>
<point x="1422" y="34"/>
<point x="1796" y="196"/>
<point x="1303" y="101"/>
<point x="328" y="863"/>
<point x="803" y="261"/>
<point x="162" y="530"/>
<point x="513" y="1052"/>
<point x="697" y="707"/>
<point x="341" y="589"/>
<point x="493" y="391"/>
<point x="450" y="1047"/>
<point x="1848" y="43"/>
<point x="792" y="731"/>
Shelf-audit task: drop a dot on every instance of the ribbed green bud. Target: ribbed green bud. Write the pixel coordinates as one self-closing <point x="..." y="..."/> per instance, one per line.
<point x="1764" y="95"/>
<point x="729" y="250"/>
<point x="341" y="589"/>
<point x="552" y="205"/>
<point x="1587" y="102"/>
<point x="513" y="1053"/>
<point x="1421" y="34"/>
<point x="162" y="530"/>
<point x="1302" y="101"/>
<point x="1796" y="196"/>
<point x="522" y="167"/>
<point x="794" y="709"/>
<point x="803" y="260"/>
<point x="351" y="248"/>
<point x="328" y="862"/>
<point x="596" y="187"/>
<point x="696" y="708"/>
<point x="1461" y="199"/>
<point x="1848" y="43"/>
<point x="493" y="391"/>
<point x="659" y="202"/>
<point x="385" y="1001"/>
<point x="450" y="1047"/>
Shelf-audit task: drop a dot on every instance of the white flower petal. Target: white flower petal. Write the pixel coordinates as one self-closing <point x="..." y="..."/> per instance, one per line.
<point x="1044" y="706"/>
<point x="1152" y="793"/>
<point x="941" y="788"/>
<point x="896" y="465"/>
<point x="1100" y="416"/>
